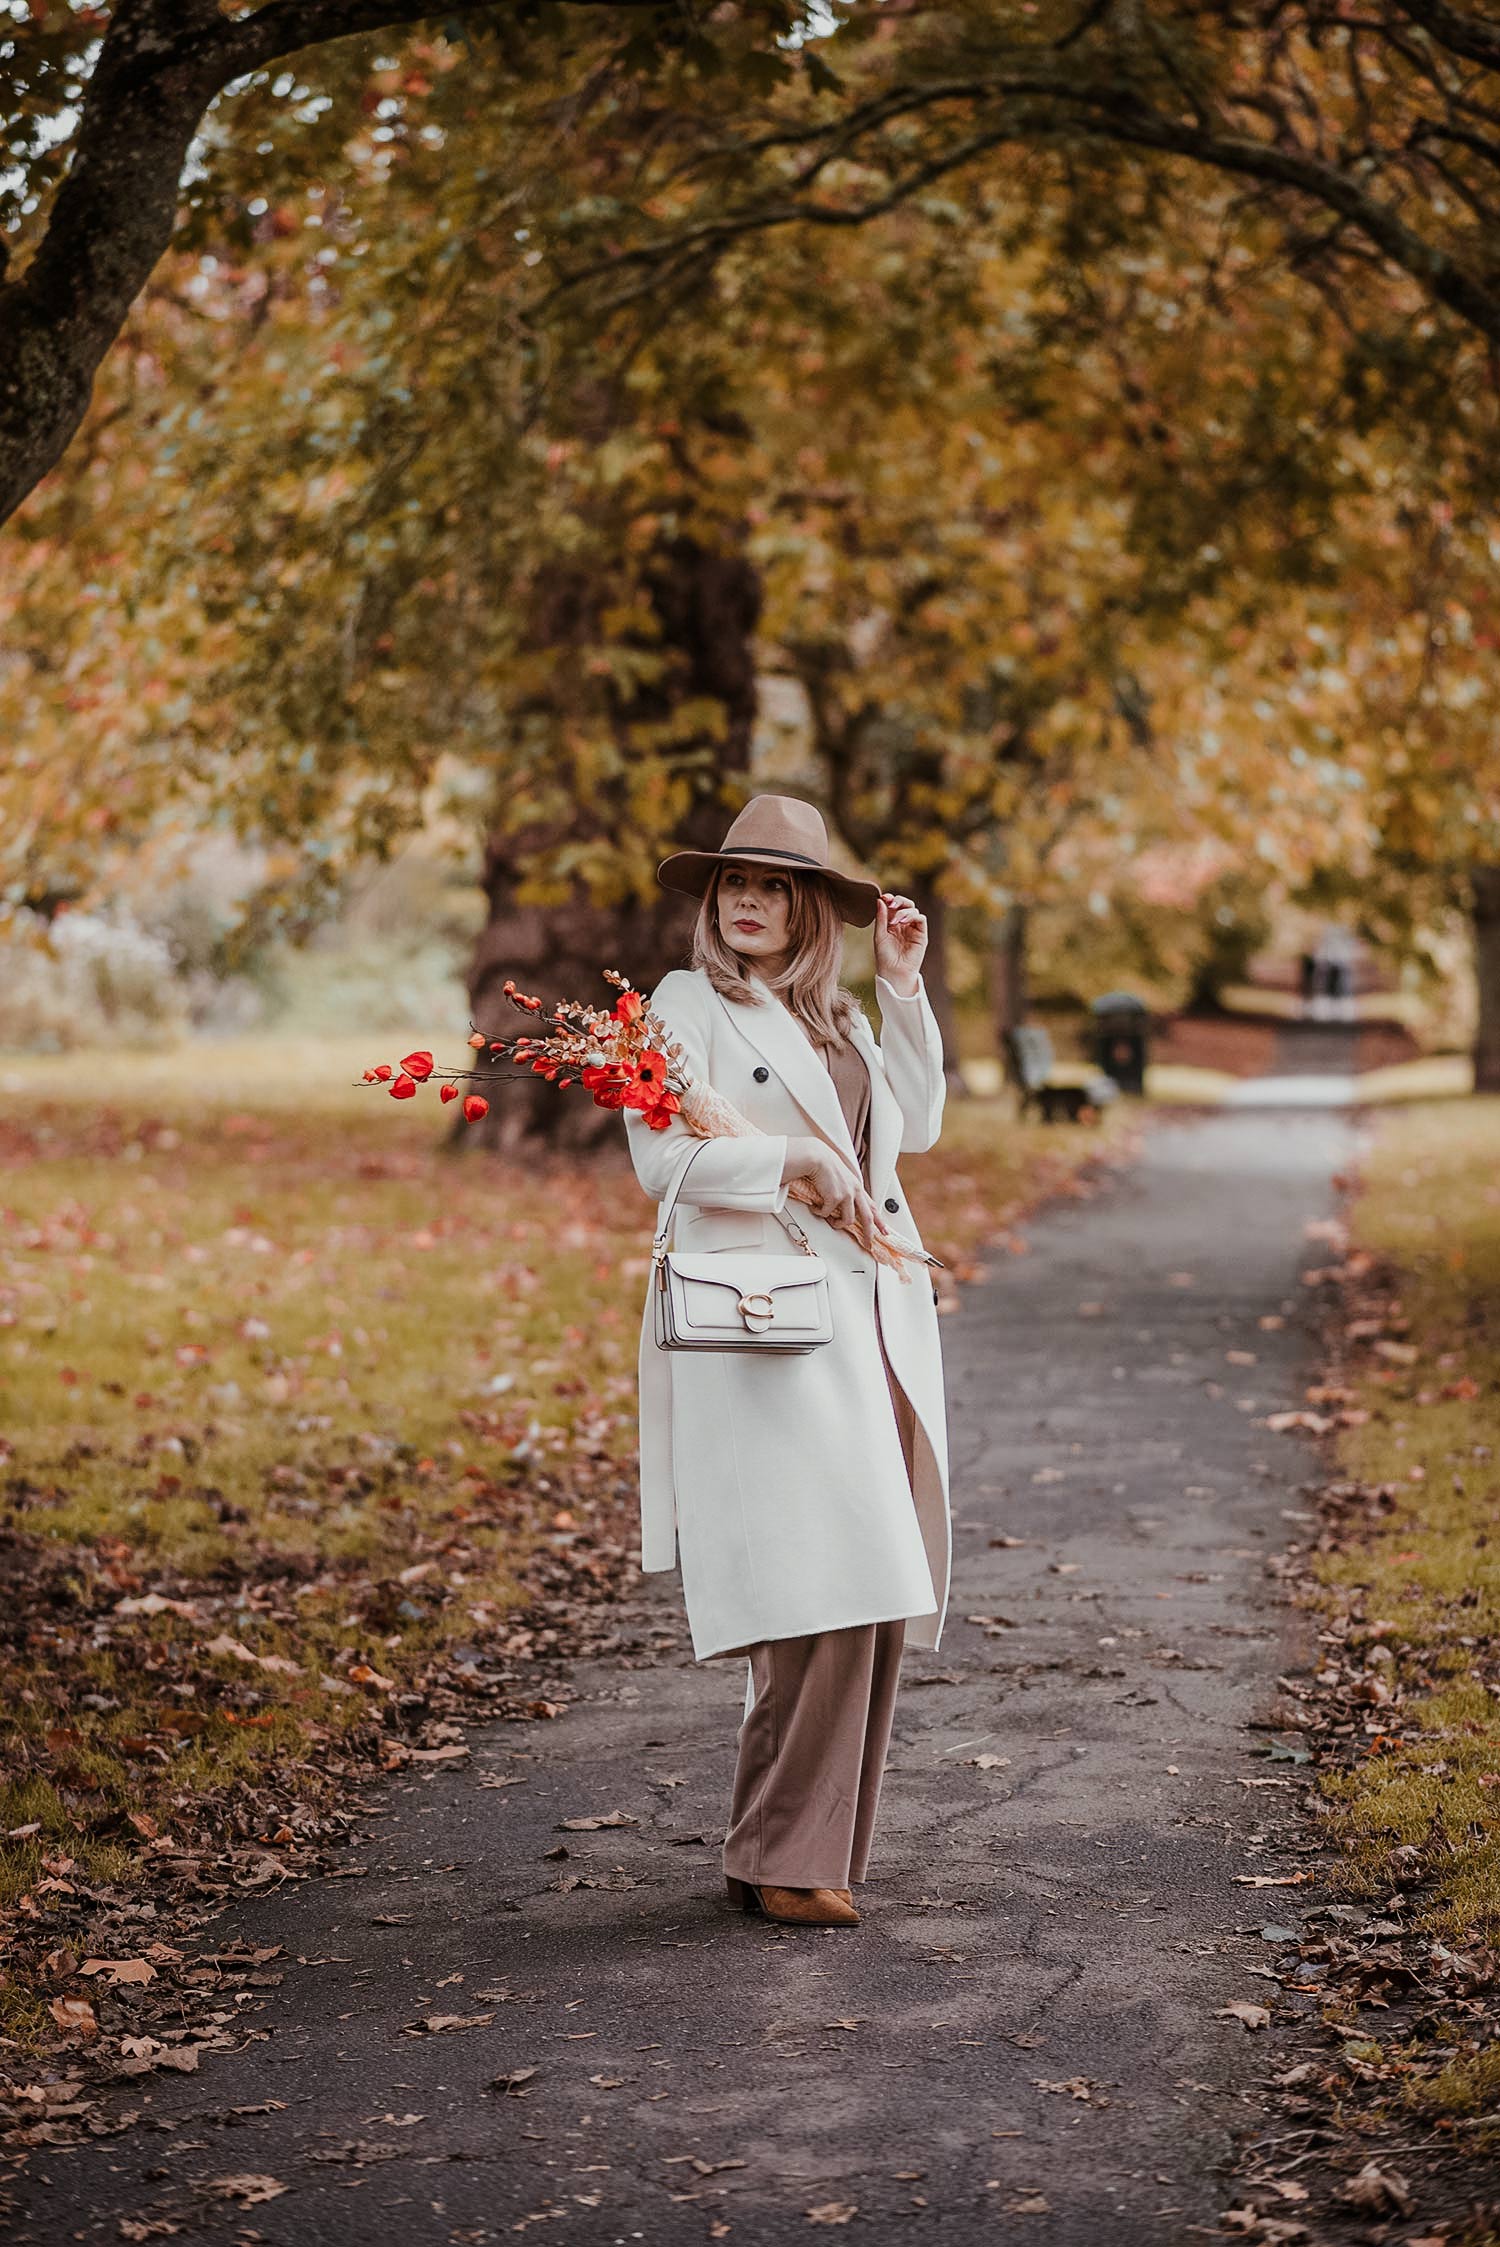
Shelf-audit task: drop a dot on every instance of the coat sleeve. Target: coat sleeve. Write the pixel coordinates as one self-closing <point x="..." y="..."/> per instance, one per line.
<point x="727" y="1173"/>
<point x="911" y="1050"/>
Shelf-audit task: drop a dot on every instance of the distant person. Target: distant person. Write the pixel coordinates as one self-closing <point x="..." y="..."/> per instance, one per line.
<point x="1307" y="976"/>
<point x="806" y="1496"/>
<point x="1338" y="950"/>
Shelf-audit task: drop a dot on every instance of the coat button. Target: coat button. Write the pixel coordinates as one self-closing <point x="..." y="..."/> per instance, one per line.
<point x="892" y="1204"/>
<point x="761" y="1076"/>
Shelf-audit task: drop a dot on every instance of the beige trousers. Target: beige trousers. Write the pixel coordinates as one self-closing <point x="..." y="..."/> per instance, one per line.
<point x="813" y="1744"/>
<point x="812" y="1754"/>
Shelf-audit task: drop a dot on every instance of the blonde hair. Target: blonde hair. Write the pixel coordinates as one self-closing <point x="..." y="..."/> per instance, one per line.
<point x="808" y="986"/>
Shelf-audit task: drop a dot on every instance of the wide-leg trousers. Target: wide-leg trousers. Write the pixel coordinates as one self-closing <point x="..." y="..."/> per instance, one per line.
<point x="813" y="1744"/>
<point x="812" y="1752"/>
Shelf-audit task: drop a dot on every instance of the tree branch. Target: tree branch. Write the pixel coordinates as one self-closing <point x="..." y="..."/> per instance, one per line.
<point x="1459" y="32"/>
<point x="1038" y="104"/>
<point x="160" y="64"/>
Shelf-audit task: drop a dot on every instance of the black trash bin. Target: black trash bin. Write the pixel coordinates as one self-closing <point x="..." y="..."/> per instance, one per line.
<point x="1122" y="1037"/>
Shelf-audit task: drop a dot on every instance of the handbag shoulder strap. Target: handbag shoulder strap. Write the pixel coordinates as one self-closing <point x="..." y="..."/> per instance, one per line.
<point x="669" y="1206"/>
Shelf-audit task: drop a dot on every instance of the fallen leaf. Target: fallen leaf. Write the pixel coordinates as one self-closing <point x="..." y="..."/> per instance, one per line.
<point x="239" y="1652"/>
<point x="607" y="2082"/>
<point x="249" y="2190"/>
<point x="1029" y="2204"/>
<point x="1375" y="2190"/>
<point x="358" y="2153"/>
<point x="1271" y="1880"/>
<point x="595" y="1825"/>
<point x="1249" y="2016"/>
<point x="75" y="2017"/>
<point x="833" y="2212"/>
<point x="438" y="2024"/>
<point x="121" y="1969"/>
<point x="512" y="2084"/>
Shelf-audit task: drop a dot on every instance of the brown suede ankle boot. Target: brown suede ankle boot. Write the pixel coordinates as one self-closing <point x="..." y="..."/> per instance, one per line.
<point x="795" y="1907"/>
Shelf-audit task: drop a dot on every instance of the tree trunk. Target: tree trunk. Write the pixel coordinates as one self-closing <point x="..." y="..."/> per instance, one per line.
<point x="925" y="897"/>
<point x="707" y="605"/>
<point x="1010" y="998"/>
<point x="1484" y="890"/>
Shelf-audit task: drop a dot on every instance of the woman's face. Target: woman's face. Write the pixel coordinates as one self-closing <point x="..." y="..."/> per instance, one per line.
<point x="755" y="906"/>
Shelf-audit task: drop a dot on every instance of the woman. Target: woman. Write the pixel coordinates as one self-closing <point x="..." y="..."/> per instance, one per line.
<point x="807" y="1495"/>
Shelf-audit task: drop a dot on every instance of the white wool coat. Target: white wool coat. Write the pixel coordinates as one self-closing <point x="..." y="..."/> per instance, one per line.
<point x="779" y="1482"/>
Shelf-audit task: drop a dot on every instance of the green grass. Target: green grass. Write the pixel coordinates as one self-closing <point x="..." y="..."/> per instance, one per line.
<point x="271" y="1355"/>
<point x="1422" y="1576"/>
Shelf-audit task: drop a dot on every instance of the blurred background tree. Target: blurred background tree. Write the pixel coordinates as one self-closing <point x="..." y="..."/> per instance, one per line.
<point x="490" y="430"/>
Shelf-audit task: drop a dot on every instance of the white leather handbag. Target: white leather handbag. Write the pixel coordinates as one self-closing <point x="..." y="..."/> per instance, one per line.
<point x="734" y="1299"/>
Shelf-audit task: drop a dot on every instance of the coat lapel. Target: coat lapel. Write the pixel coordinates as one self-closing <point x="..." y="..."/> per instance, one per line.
<point x="781" y="1041"/>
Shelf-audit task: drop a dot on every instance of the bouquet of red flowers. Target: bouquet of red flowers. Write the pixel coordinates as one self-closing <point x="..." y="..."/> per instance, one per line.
<point x="624" y="1057"/>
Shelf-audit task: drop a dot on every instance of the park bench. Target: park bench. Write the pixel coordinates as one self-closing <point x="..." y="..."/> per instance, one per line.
<point x="1059" y="1088"/>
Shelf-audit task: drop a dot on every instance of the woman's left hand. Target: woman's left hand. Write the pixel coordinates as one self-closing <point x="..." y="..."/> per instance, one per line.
<point x="900" y="943"/>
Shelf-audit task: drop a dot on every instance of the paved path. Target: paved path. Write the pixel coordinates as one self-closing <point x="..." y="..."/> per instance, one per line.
<point x="1021" y="2041"/>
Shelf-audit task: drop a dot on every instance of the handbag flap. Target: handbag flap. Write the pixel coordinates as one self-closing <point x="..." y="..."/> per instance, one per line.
<point x="744" y="1275"/>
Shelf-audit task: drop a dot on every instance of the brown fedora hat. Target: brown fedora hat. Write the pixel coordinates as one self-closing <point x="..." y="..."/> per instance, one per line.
<point x="774" y="831"/>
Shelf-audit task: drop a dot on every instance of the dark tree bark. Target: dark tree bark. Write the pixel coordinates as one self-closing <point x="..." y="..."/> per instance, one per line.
<point x="160" y="64"/>
<point x="707" y="605"/>
<point x="1484" y="892"/>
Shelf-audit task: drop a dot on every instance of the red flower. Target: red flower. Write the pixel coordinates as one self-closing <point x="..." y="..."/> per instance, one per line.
<point x="382" y="1072"/>
<point x="607" y="1081"/>
<point x="648" y="1080"/>
<point x="629" y="1007"/>
<point x="448" y="1092"/>
<point x="474" y="1107"/>
<point x="403" y="1089"/>
<point x="418" y="1065"/>
<point x="649" y="1093"/>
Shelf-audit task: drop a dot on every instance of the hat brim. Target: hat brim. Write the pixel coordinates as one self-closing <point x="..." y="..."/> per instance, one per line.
<point x="691" y="871"/>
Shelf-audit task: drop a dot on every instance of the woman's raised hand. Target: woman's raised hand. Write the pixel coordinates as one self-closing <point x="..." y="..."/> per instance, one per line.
<point x="839" y="1194"/>
<point x="900" y="942"/>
